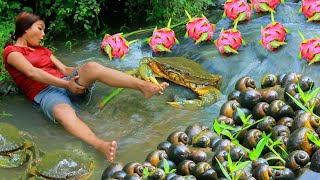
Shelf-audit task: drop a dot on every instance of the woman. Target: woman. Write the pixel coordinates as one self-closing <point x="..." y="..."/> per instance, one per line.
<point x="48" y="83"/>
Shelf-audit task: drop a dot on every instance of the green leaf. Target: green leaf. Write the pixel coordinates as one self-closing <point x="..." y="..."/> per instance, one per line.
<point x="228" y="49"/>
<point x="242" y="115"/>
<point x="166" y="166"/>
<point x="298" y="103"/>
<point x="242" y="16"/>
<point x="226" y="174"/>
<point x="315" y="59"/>
<point x="204" y="37"/>
<point x="265" y="7"/>
<point x="241" y="165"/>
<point x="161" y="48"/>
<point x="108" y="50"/>
<point x="313" y="94"/>
<point x="276" y="44"/>
<point x="227" y="133"/>
<point x="145" y="172"/>
<point x="216" y="127"/>
<point x="313" y="138"/>
<point x="315" y="17"/>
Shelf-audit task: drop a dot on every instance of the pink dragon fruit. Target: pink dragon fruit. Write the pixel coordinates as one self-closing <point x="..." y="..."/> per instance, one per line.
<point x="199" y="29"/>
<point x="265" y="5"/>
<point x="162" y="39"/>
<point x="273" y="35"/>
<point x="115" y="45"/>
<point x="311" y="9"/>
<point x="310" y="49"/>
<point x="229" y="41"/>
<point x="237" y="10"/>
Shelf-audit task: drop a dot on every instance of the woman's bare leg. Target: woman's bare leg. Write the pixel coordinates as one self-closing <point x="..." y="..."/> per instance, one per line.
<point x="92" y="71"/>
<point x="67" y="117"/>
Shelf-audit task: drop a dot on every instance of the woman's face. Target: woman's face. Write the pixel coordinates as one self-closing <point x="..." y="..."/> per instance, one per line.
<point x="35" y="34"/>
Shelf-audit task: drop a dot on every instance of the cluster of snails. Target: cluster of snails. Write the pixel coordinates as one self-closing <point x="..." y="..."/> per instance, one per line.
<point x="200" y="153"/>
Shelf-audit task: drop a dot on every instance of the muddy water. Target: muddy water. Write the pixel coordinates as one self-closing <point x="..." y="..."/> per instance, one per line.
<point x="139" y="125"/>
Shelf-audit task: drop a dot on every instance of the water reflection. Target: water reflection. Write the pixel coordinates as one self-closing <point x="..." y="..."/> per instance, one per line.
<point x="139" y="125"/>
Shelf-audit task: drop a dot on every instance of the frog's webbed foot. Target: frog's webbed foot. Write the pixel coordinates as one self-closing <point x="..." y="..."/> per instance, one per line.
<point x="147" y="74"/>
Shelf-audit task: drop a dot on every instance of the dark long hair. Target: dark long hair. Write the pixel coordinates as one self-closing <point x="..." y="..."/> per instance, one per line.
<point x="24" y="21"/>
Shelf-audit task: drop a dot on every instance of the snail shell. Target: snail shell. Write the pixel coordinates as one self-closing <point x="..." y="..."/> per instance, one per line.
<point x="220" y="156"/>
<point x="234" y="95"/>
<point x="269" y="80"/>
<point x="203" y="139"/>
<point x="237" y="153"/>
<point x="286" y="121"/>
<point x="297" y="159"/>
<point x="280" y="130"/>
<point x="198" y="156"/>
<point x="228" y="107"/>
<point x="278" y="109"/>
<point x="133" y="168"/>
<point x="132" y="177"/>
<point x="306" y="83"/>
<point x="269" y="95"/>
<point x="148" y="165"/>
<point x="185" y="167"/>
<point x="283" y="140"/>
<point x="191" y="131"/>
<point x="157" y="174"/>
<point x="164" y="146"/>
<point x="222" y="144"/>
<point x="209" y="174"/>
<point x="266" y="124"/>
<point x="302" y="120"/>
<point x="315" y="161"/>
<point x="290" y="78"/>
<point x="271" y="158"/>
<point x="298" y="140"/>
<point x="111" y="169"/>
<point x="178" y="136"/>
<point x="228" y="121"/>
<point x="260" y="110"/>
<point x="281" y="77"/>
<point x="259" y="161"/>
<point x="119" y="175"/>
<point x="317" y="110"/>
<point x="200" y="168"/>
<point x="262" y="172"/>
<point x="250" y="98"/>
<point x="155" y="156"/>
<point x="178" y="153"/>
<point x="291" y="89"/>
<point x="245" y="83"/>
<point x="283" y="174"/>
<point x="252" y="138"/>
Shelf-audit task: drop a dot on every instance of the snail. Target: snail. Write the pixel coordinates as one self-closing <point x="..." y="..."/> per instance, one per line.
<point x="178" y="136"/>
<point x="203" y="139"/>
<point x="198" y="155"/>
<point x="236" y="116"/>
<point x="272" y="159"/>
<point x="245" y="83"/>
<point x="290" y="78"/>
<point x="266" y="124"/>
<point x="157" y="174"/>
<point x="278" y="109"/>
<point x="291" y="89"/>
<point x="164" y="146"/>
<point x="249" y="98"/>
<point x="283" y="174"/>
<point x="269" y="95"/>
<point x="234" y="95"/>
<point x="155" y="156"/>
<point x="148" y="165"/>
<point x="297" y="159"/>
<point x="111" y="169"/>
<point x="200" y="168"/>
<point x="286" y="121"/>
<point x="315" y="161"/>
<point x="178" y="152"/>
<point x="133" y="168"/>
<point x="302" y="120"/>
<point x="269" y="80"/>
<point x="222" y="144"/>
<point x="229" y="107"/>
<point x="252" y="138"/>
<point x="191" y="131"/>
<point x="259" y="161"/>
<point x="306" y="83"/>
<point x="132" y="177"/>
<point x="161" y="164"/>
<point x="280" y="130"/>
<point x="262" y="172"/>
<point x="225" y="119"/>
<point x="221" y="156"/>
<point x="208" y="174"/>
<point x="298" y="140"/>
<point x="185" y="167"/>
<point x="119" y="175"/>
<point x="237" y="153"/>
<point x="260" y="110"/>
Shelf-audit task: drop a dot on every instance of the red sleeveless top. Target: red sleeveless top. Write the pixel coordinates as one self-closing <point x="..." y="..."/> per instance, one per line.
<point x="39" y="58"/>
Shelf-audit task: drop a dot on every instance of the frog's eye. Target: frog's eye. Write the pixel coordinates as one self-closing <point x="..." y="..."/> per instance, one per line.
<point x="187" y="73"/>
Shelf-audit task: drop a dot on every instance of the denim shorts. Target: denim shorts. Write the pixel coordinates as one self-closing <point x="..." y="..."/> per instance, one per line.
<point x="51" y="96"/>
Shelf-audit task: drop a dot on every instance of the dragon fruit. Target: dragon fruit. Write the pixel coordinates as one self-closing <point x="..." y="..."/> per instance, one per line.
<point x="229" y="41"/>
<point x="162" y="39"/>
<point x="237" y="10"/>
<point x="273" y="35"/>
<point x="311" y="9"/>
<point x="115" y="45"/>
<point x="199" y="29"/>
<point x="265" y="5"/>
<point x="310" y="49"/>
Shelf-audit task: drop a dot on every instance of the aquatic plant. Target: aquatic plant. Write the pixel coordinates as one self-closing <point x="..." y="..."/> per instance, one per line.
<point x="199" y="29"/>
<point x="237" y="10"/>
<point x="162" y="39"/>
<point x="265" y="5"/>
<point x="235" y="169"/>
<point x="311" y="9"/>
<point x="229" y="41"/>
<point x="310" y="49"/>
<point x="273" y="35"/>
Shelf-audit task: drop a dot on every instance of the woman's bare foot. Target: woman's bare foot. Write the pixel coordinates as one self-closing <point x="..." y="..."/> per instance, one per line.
<point x="109" y="149"/>
<point x="151" y="89"/>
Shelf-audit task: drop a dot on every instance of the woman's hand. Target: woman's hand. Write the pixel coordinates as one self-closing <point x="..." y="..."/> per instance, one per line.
<point x="74" y="87"/>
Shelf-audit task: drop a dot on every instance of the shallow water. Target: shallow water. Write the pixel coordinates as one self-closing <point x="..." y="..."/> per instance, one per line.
<point x="139" y="125"/>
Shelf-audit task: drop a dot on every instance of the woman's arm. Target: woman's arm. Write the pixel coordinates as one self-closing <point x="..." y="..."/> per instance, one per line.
<point x="65" y="70"/>
<point x="18" y="61"/>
